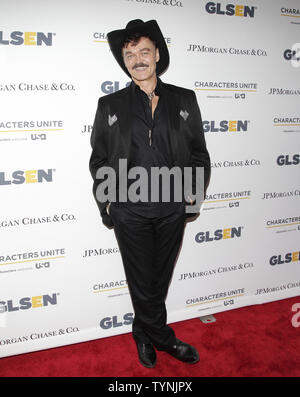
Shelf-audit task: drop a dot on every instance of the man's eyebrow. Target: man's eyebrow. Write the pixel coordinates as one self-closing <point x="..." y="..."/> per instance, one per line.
<point x="126" y="52"/>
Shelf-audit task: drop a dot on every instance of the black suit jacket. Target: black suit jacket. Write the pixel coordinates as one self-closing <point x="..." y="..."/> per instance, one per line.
<point x="111" y="134"/>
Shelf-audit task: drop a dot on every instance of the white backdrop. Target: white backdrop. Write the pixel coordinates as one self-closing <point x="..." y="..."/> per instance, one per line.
<point x="61" y="274"/>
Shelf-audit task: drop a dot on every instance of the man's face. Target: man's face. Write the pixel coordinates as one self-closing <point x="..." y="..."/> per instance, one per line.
<point x="140" y="59"/>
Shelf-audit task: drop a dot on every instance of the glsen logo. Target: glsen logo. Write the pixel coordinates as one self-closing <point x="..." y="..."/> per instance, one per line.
<point x="293" y="55"/>
<point x="27" y="38"/>
<point x="219" y="234"/>
<point x="28" y="303"/>
<point x="29" y="176"/>
<point x="287" y="258"/>
<point x="230" y="9"/>
<point x="286" y="159"/>
<point x="112" y="322"/>
<point x="108" y="87"/>
<point x="225" y="126"/>
<point x="290" y="55"/>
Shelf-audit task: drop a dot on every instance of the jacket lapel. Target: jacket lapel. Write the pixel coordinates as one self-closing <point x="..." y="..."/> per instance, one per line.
<point x="123" y="110"/>
<point x="172" y="103"/>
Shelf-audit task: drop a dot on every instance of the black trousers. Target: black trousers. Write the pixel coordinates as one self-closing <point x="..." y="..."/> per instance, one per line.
<point x="149" y="248"/>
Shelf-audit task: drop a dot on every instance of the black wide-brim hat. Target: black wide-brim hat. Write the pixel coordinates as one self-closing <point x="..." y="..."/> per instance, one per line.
<point x="150" y="29"/>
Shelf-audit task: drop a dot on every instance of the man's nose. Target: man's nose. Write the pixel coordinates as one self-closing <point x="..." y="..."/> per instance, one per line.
<point x="138" y="58"/>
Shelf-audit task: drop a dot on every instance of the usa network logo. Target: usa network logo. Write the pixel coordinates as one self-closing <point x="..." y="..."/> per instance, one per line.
<point x="26" y="38"/>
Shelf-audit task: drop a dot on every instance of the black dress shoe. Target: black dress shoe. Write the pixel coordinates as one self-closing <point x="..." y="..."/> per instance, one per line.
<point x="147" y="354"/>
<point x="183" y="352"/>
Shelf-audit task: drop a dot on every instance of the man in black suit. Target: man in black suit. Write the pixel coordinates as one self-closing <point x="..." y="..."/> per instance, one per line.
<point x="149" y="124"/>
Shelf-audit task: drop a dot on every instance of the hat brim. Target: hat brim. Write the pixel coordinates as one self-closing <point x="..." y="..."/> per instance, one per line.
<point x="151" y="29"/>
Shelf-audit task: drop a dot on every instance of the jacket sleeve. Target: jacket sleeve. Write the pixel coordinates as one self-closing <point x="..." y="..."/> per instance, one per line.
<point x="199" y="155"/>
<point x="99" y="156"/>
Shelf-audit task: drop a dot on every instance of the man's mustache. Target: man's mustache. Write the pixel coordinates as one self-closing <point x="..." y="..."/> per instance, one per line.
<point x="140" y="65"/>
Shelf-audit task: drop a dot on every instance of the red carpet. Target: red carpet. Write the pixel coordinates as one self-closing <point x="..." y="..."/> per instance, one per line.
<point x="255" y="341"/>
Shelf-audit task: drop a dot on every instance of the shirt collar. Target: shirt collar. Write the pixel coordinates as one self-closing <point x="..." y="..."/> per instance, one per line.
<point x="158" y="89"/>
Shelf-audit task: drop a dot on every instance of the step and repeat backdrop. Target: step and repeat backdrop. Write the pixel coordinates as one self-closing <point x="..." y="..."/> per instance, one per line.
<point x="61" y="274"/>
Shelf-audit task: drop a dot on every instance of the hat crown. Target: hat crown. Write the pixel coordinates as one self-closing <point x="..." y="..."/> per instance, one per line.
<point x="150" y="29"/>
<point x="134" y="23"/>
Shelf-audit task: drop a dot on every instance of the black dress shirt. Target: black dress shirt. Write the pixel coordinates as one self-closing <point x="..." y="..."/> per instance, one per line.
<point x="150" y="147"/>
